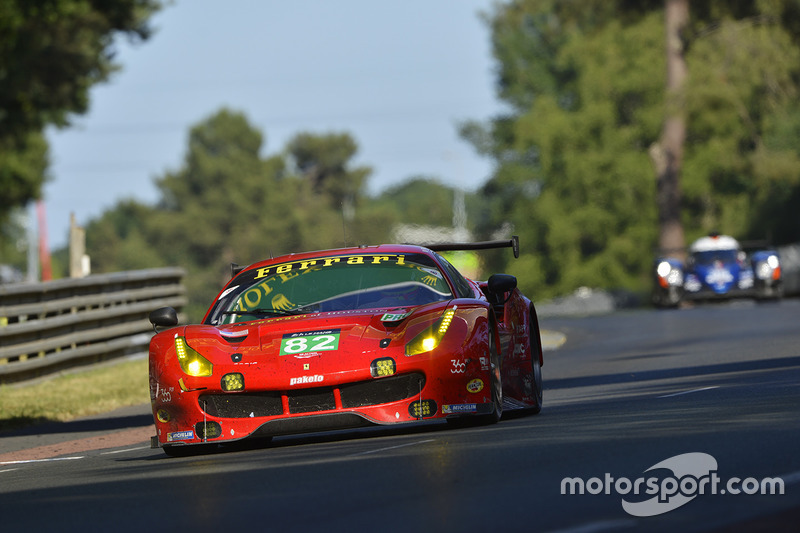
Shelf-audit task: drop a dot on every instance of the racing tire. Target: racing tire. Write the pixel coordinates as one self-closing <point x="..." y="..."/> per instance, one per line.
<point x="496" y="385"/>
<point x="536" y="386"/>
<point x="536" y="366"/>
<point x="496" y="381"/>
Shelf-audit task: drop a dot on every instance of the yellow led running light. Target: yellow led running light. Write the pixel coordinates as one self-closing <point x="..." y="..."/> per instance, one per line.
<point x="432" y="336"/>
<point x="192" y="363"/>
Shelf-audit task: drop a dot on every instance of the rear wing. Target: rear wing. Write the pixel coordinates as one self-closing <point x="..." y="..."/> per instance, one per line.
<point x="484" y="245"/>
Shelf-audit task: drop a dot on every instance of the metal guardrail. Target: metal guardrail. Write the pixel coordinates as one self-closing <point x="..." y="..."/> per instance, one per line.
<point x="55" y="325"/>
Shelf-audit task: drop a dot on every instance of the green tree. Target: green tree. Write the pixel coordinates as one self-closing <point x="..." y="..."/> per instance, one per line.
<point x="324" y="164"/>
<point x="121" y="239"/>
<point x="419" y="200"/>
<point x="323" y="160"/>
<point x="228" y="203"/>
<point x="741" y="161"/>
<point x="13" y="240"/>
<point x="23" y="171"/>
<point x="585" y="86"/>
<point x="51" y="53"/>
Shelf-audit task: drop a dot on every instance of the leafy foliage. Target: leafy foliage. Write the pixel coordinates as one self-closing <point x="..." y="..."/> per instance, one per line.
<point x="51" y="53"/>
<point x="585" y="86"/>
<point x="420" y="200"/>
<point x="23" y="171"/>
<point x="229" y="203"/>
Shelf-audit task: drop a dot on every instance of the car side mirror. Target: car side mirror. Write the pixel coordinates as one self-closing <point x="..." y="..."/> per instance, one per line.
<point x="500" y="283"/>
<point x="166" y="317"/>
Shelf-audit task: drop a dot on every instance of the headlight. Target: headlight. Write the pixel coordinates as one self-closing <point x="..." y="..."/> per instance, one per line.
<point x="192" y="362"/>
<point x="232" y="382"/>
<point x="669" y="274"/>
<point x="430" y="337"/>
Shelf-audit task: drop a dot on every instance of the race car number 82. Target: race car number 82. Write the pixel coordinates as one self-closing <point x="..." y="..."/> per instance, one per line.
<point x="316" y="341"/>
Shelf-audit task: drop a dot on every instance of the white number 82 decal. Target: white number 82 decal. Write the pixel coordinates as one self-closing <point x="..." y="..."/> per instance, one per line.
<point x="309" y="343"/>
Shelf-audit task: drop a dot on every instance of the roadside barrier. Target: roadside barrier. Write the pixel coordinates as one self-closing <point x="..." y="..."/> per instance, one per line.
<point x="52" y="326"/>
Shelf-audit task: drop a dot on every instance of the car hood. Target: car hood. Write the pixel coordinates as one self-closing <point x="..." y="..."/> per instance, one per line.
<point x="309" y="336"/>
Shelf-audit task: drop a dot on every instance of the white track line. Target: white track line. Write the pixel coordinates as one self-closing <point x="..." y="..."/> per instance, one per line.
<point x="126" y="450"/>
<point x="40" y="460"/>
<point x="392" y="447"/>
<point x="687" y="392"/>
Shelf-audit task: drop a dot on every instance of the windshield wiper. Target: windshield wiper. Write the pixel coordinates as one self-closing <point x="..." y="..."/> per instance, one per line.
<point x="272" y="312"/>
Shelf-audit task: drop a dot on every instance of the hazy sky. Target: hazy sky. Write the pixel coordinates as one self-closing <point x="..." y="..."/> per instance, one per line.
<point x="398" y="75"/>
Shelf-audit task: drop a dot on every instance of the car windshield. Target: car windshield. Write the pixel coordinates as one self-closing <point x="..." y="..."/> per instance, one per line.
<point x="333" y="283"/>
<point x="712" y="256"/>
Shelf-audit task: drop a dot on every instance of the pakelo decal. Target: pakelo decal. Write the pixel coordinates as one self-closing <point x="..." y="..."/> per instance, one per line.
<point x="302" y="380"/>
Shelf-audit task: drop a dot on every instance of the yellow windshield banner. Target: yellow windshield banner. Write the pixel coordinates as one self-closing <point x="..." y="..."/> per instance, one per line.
<point x="299" y="266"/>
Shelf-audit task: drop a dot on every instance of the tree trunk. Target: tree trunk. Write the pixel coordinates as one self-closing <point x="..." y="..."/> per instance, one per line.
<point x="667" y="154"/>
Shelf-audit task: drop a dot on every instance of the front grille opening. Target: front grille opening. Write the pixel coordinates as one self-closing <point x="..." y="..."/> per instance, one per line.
<point x="353" y="395"/>
<point x="242" y="405"/>
<point x="384" y="390"/>
<point x="311" y="400"/>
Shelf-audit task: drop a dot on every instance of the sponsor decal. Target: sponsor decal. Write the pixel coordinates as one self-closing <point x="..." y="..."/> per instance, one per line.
<point x="299" y="266"/>
<point x="310" y="341"/>
<point x="306" y="379"/>
<point x="163" y="394"/>
<point x="394" y="317"/>
<point x="719" y="277"/>
<point x="460" y="408"/>
<point x="180" y="435"/>
<point x="459" y="367"/>
<point x="484" y="363"/>
<point x="475" y="386"/>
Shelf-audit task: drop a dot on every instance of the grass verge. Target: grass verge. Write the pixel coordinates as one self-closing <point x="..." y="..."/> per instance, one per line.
<point x="74" y="395"/>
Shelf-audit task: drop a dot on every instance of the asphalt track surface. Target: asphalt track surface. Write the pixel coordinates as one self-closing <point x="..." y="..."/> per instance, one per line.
<point x="623" y="393"/>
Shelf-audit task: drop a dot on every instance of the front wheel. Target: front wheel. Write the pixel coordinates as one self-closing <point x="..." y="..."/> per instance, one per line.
<point x="495" y="384"/>
<point x="536" y="385"/>
<point x="496" y="378"/>
<point x="536" y="364"/>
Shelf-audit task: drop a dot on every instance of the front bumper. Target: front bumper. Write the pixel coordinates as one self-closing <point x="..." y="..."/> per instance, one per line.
<point x="438" y="388"/>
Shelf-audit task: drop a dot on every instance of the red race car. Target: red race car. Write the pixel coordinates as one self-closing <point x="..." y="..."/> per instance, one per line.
<point x="341" y="339"/>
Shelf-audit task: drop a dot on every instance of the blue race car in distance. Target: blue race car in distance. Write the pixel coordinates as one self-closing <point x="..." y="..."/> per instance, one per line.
<point x="717" y="267"/>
